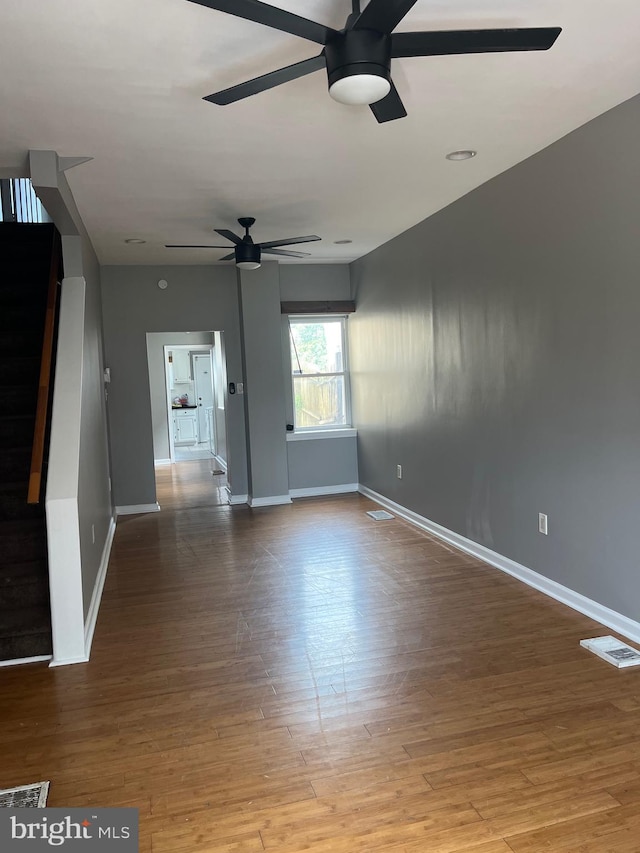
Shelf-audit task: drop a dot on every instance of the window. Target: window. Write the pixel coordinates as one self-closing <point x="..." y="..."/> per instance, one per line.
<point x="319" y="372"/>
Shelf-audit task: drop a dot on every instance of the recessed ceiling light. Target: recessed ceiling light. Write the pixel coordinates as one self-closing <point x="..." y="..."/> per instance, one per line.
<point x="342" y="242"/>
<point x="134" y="240"/>
<point x="461" y="155"/>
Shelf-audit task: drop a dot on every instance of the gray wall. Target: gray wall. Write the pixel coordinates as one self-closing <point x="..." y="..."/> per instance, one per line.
<point x="259" y="295"/>
<point x="197" y="297"/>
<point x="95" y="509"/>
<point x="156" y="342"/>
<point x="495" y="355"/>
<point x="315" y="463"/>
<point x="314" y="281"/>
<point x="210" y="297"/>
<point x="94" y="498"/>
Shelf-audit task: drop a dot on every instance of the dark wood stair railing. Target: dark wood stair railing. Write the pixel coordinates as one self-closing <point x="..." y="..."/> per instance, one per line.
<point x="46" y="377"/>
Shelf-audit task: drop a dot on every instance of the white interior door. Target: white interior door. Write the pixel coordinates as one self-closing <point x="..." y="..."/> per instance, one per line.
<point x="203" y="378"/>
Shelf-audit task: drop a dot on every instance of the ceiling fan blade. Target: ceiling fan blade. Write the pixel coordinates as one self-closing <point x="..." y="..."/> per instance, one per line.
<point x="286" y="254"/>
<point x="230" y="257"/>
<point x="472" y="41"/>
<point x="289" y="241"/>
<point x="267" y="81"/>
<point x="228" y="235"/>
<point x="270" y="16"/>
<point x="390" y="107"/>
<point x="189" y="246"/>
<point x="383" y="15"/>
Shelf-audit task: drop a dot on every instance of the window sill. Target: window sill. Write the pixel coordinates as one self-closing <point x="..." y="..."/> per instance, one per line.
<point x="314" y="434"/>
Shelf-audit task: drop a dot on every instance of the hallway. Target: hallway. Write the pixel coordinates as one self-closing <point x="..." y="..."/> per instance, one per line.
<point x="305" y="678"/>
<point x="189" y="484"/>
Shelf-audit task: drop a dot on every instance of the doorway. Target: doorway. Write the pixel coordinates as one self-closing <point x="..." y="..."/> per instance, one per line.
<point x="188" y="420"/>
<point x="189" y="387"/>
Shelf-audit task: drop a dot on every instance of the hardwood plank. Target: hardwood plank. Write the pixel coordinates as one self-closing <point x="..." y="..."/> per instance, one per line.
<point x="301" y="677"/>
<point x="596" y="833"/>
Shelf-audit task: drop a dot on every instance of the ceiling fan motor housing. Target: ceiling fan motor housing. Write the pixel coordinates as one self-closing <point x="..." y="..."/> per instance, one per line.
<point x="358" y="52"/>
<point x="247" y="253"/>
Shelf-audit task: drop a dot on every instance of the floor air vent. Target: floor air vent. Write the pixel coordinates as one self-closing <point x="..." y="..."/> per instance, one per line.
<point x="26" y="796"/>
<point x="380" y="514"/>
<point x="612" y="650"/>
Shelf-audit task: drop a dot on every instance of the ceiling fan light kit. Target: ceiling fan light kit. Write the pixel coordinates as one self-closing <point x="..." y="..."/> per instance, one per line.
<point x="358" y="57"/>
<point x="359" y="89"/>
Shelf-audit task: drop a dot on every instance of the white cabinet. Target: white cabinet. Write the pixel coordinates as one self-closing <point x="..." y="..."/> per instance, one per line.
<point x="181" y="365"/>
<point x="185" y="426"/>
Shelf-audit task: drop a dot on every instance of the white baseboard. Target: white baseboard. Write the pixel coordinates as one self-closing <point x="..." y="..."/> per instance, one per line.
<point x="272" y="500"/>
<point x="220" y="463"/>
<point x="318" y="491"/>
<point x="136" y="509"/>
<point x="94" y="607"/>
<point x="611" y="618"/>
<point x="236" y="499"/>
<point x="68" y="661"/>
<point x="20" y="661"/>
<point x="162" y="462"/>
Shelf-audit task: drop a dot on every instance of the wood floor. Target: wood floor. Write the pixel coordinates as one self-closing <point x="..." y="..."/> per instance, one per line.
<point x="305" y="678"/>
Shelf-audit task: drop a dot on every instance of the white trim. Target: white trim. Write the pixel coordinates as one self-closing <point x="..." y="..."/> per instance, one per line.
<point x="136" y="509"/>
<point x="61" y="503"/>
<point x="236" y="499"/>
<point x="162" y="461"/>
<point x="611" y="618"/>
<point x="94" y="607"/>
<point x="272" y="500"/>
<point x="20" y="661"/>
<point x="314" y="434"/>
<point x="68" y="661"/>
<point x="317" y="491"/>
<point x="167" y="388"/>
<point x="220" y="462"/>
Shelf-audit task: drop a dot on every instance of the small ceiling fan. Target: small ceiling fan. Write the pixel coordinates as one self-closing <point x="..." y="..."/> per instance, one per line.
<point x="358" y="57"/>
<point x="246" y="253"/>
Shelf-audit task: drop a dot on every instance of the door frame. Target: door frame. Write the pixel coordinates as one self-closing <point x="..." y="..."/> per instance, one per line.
<point x="201" y="349"/>
<point x="167" y="384"/>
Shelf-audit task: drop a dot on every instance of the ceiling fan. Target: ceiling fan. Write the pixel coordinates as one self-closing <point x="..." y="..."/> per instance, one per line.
<point x="358" y="57"/>
<point x="246" y="253"/>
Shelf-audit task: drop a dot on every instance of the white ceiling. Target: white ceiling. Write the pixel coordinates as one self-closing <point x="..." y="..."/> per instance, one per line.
<point x="122" y="81"/>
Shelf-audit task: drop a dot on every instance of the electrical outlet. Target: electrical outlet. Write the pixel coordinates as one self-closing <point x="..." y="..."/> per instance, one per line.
<point x="542" y="524"/>
<point x="399" y="471"/>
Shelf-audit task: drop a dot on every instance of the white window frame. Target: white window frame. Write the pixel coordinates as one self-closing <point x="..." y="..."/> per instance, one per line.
<point x="322" y="318"/>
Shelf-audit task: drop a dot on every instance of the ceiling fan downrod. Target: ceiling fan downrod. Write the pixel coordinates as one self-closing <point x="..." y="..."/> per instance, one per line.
<point x="355" y="13"/>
